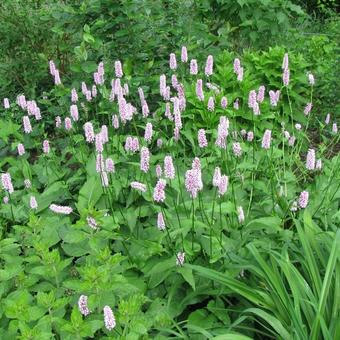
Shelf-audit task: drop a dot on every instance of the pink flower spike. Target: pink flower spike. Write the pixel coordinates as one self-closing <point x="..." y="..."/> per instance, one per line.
<point x="68" y="123"/>
<point x="310" y="160"/>
<point x="82" y="305"/>
<point x="27" y="124"/>
<point x="61" y="209"/>
<point x="199" y="89"/>
<point x="224" y="102"/>
<point x="169" y="169"/>
<point x="211" y="104"/>
<point x="159" y="191"/>
<point x="303" y="199"/>
<point x="172" y="61"/>
<point x="180" y="257"/>
<point x="89" y="132"/>
<point x="209" y="66"/>
<point x="148" y="132"/>
<point x="21" y="149"/>
<point x="138" y="186"/>
<point x="46" y="147"/>
<point x="266" y="140"/>
<point x="109" y="319"/>
<point x="144" y="159"/>
<point x="109" y="165"/>
<point x="118" y="69"/>
<point x="223" y="185"/>
<point x="33" y="203"/>
<point x="160" y="222"/>
<point x="237" y="150"/>
<point x="6" y="103"/>
<point x="193" y="67"/>
<point x="202" y="139"/>
<point x="6" y="182"/>
<point x="184" y="55"/>
<point x="57" y="122"/>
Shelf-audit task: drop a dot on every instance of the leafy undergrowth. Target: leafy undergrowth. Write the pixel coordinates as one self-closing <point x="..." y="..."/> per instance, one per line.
<point x="196" y="207"/>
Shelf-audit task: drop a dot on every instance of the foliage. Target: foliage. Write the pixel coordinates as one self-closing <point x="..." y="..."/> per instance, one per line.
<point x="274" y="273"/>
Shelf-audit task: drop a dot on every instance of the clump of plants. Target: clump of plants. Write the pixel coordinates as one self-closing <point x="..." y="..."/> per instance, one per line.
<point x="203" y="208"/>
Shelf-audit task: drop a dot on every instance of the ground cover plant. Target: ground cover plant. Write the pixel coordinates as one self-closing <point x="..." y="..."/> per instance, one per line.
<point x="202" y="203"/>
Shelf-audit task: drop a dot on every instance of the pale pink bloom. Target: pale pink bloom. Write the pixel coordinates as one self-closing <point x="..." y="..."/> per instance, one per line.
<point x="193" y="67"/>
<point x="118" y="69"/>
<point x="224" y="102"/>
<point x="193" y="182"/>
<point x="27" y="183"/>
<point x="174" y="81"/>
<point x="169" y="169"/>
<point x="328" y="118"/>
<point x="65" y="210"/>
<point x="318" y="165"/>
<point x="109" y="319"/>
<point x="115" y="122"/>
<point x="237" y="150"/>
<point x="256" y="109"/>
<point x="21" y="149"/>
<point x="303" y="199"/>
<point x="159" y="191"/>
<point x="285" y="62"/>
<point x="211" y="104"/>
<point x="274" y="97"/>
<point x="240" y="74"/>
<point x="196" y="164"/>
<point x="138" y="186"/>
<point x="27" y="124"/>
<point x="285" y="77"/>
<point x="243" y="133"/>
<point x="57" y="122"/>
<point x="180" y="257"/>
<point x="250" y="136"/>
<point x="148" y="132"/>
<point x="52" y="67"/>
<point x="74" y="112"/>
<point x="173" y="61"/>
<point x="291" y="140"/>
<point x="126" y="89"/>
<point x="223" y="185"/>
<point x="57" y="80"/>
<point x="109" y="165"/>
<point x="311" y="79"/>
<point x="6" y="103"/>
<point x="132" y="144"/>
<point x="222" y="132"/>
<point x="298" y="126"/>
<point x="46" y="146"/>
<point x="105" y="179"/>
<point x="251" y="98"/>
<point x="94" y="91"/>
<point x="92" y="223"/>
<point x="159" y="142"/>
<point x="33" y="203"/>
<point x="199" y="89"/>
<point x="99" y="143"/>
<point x="202" y="139"/>
<point x="308" y="109"/>
<point x="240" y="214"/>
<point x="82" y="305"/>
<point x="21" y="101"/>
<point x="209" y="66"/>
<point x="160" y="222"/>
<point x="237" y="65"/>
<point x="184" y="55"/>
<point x="168" y="113"/>
<point x="74" y="96"/>
<point x="334" y="128"/>
<point x="68" y="123"/>
<point x="286" y="134"/>
<point x="159" y="171"/>
<point x="84" y="88"/>
<point x="6" y="182"/>
<point x="144" y="159"/>
<point x="236" y="104"/>
<point x="5" y="199"/>
<point x="162" y="85"/>
<point x="266" y="139"/>
<point x="310" y="159"/>
<point x="145" y="109"/>
<point x="260" y="94"/>
<point x="213" y="87"/>
<point x="99" y="162"/>
<point x="88" y="96"/>
<point x="89" y="132"/>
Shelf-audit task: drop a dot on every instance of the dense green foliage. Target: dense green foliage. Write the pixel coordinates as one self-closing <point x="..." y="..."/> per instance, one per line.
<point x="273" y="274"/>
